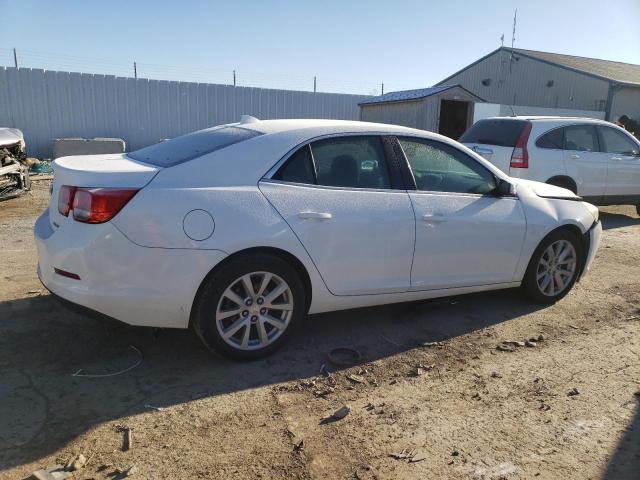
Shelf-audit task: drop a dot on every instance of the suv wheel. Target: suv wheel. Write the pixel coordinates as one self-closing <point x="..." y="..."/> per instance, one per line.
<point x="560" y="182"/>
<point x="248" y="308"/>
<point x="553" y="268"/>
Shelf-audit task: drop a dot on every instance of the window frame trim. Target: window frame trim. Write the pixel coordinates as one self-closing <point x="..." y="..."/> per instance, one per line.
<point x="391" y="163"/>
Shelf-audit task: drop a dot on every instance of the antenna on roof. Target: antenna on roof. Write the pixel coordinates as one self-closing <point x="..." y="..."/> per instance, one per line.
<point x="502" y="40"/>
<point x="513" y="38"/>
<point x="513" y="35"/>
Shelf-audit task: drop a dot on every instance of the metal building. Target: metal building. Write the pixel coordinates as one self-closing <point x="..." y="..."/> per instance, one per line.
<point x="446" y="109"/>
<point x="515" y="76"/>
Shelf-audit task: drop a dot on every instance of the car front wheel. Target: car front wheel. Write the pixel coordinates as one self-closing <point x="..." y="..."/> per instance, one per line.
<point x="554" y="267"/>
<point x="249" y="307"/>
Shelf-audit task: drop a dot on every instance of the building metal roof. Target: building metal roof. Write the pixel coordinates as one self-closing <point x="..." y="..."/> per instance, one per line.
<point x="407" y="95"/>
<point x="618" y="72"/>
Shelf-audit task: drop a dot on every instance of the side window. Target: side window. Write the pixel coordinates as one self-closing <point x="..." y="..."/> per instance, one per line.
<point x="553" y="139"/>
<point x="582" y="138"/>
<point x="298" y="168"/>
<point x="356" y="162"/>
<point x="617" y="142"/>
<point x="438" y="167"/>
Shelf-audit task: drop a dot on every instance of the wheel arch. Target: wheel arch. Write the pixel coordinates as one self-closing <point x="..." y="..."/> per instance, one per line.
<point x="582" y="238"/>
<point x="562" y="180"/>
<point x="278" y="252"/>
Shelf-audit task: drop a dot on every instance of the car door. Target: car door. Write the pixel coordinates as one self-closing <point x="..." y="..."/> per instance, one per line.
<point x="465" y="234"/>
<point x="583" y="161"/>
<point x="623" y="162"/>
<point x="349" y="211"/>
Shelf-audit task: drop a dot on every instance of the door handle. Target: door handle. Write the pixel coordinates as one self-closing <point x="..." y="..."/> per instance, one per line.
<point x="574" y="156"/>
<point x="314" y="215"/>
<point x="433" y="218"/>
<point x="616" y="159"/>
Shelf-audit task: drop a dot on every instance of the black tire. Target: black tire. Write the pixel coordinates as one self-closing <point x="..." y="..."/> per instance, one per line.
<point x="638" y="209"/>
<point x="563" y="183"/>
<point x="209" y="297"/>
<point x="530" y="282"/>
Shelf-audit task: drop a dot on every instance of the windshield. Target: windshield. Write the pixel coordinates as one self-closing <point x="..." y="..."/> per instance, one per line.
<point x="192" y="145"/>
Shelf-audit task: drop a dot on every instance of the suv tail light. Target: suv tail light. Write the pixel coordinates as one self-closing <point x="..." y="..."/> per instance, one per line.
<point x="520" y="155"/>
<point x="93" y="205"/>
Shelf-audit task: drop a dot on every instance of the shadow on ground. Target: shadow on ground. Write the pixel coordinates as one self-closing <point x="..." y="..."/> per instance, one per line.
<point x="42" y="343"/>
<point x="617" y="220"/>
<point x="625" y="462"/>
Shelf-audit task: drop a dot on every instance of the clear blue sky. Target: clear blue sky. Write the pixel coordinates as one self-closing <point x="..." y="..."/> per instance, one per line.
<point x="350" y="46"/>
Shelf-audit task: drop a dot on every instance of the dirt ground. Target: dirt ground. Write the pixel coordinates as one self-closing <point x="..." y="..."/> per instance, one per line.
<point x="471" y="411"/>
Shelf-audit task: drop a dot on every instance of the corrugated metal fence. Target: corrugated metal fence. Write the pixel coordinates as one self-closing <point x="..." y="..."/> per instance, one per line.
<point x="49" y="104"/>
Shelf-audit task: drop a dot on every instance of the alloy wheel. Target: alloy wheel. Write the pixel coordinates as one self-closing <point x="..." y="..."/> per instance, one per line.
<point x="254" y="311"/>
<point x="556" y="268"/>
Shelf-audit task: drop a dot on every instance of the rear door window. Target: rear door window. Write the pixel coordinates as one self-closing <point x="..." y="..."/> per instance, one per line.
<point x="192" y="145"/>
<point x="614" y="141"/>
<point x="298" y="169"/>
<point x="498" y="132"/>
<point x="352" y="161"/>
<point x="581" y="138"/>
<point x="346" y="161"/>
<point x="553" y="139"/>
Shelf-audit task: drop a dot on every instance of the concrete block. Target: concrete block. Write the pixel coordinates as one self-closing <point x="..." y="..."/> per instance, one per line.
<point x="63" y="147"/>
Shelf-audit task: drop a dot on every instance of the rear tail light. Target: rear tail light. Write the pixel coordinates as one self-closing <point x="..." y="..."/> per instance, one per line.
<point x="65" y="199"/>
<point x="520" y="155"/>
<point x="93" y="205"/>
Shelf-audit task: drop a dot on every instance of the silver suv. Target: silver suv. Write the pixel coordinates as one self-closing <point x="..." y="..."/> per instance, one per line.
<point x="593" y="158"/>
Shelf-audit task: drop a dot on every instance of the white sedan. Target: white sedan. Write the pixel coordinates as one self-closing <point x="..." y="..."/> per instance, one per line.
<point x="241" y="230"/>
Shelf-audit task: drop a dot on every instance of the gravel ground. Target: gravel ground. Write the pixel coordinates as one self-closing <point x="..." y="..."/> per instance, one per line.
<point x="565" y="408"/>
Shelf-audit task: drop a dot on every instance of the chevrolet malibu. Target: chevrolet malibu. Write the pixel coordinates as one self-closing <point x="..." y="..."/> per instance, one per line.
<point x="240" y="230"/>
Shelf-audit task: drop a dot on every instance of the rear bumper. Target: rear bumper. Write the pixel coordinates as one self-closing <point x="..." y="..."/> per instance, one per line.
<point x="136" y="285"/>
<point x="594" y="237"/>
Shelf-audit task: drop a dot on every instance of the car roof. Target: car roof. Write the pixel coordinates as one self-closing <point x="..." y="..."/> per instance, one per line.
<point x="323" y="127"/>
<point x="549" y="118"/>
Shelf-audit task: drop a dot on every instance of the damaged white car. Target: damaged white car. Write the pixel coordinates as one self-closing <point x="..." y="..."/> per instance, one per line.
<point x="241" y="230"/>
<point x="14" y="171"/>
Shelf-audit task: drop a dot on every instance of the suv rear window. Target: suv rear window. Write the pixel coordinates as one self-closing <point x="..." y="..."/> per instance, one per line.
<point x="187" y="147"/>
<point x="502" y="133"/>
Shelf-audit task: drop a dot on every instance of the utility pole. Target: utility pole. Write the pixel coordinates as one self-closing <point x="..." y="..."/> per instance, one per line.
<point x="15" y="58"/>
<point x="382" y="89"/>
<point x="234" y="78"/>
<point x="135" y="70"/>
<point x="314" y="84"/>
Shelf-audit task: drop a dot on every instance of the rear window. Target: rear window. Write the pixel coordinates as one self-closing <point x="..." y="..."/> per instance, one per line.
<point x="553" y="139"/>
<point x="502" y="133"/>
<point x="192" y="145"/>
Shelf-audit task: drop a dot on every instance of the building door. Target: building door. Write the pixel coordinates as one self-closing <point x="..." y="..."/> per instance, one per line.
<point x="453" y="118"/>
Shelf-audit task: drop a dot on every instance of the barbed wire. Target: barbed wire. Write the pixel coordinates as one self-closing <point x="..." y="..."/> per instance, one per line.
<point x="187" y="73"/>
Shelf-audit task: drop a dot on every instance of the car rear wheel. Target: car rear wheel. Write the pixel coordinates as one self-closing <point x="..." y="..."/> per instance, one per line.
<point x="248" y="308"/>
<point x="638" y="209"/>
<point x="554" y="267"/>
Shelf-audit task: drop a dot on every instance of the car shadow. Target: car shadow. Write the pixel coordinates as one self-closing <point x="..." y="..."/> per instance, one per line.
<point x="617" y="220"/>
<point x="625" y="462"/>
<point x="43" y="406"/>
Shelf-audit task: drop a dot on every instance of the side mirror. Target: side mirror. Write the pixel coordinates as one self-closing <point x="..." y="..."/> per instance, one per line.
<point x="504" y="188"/>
